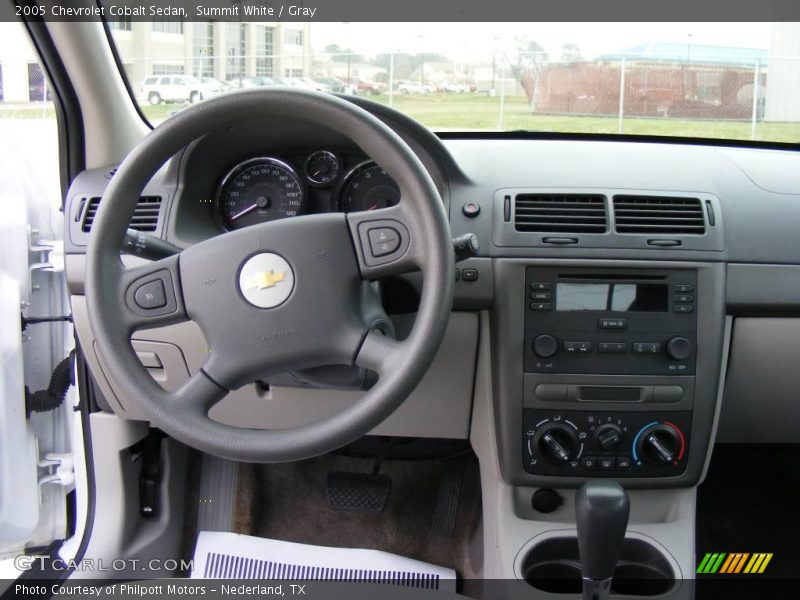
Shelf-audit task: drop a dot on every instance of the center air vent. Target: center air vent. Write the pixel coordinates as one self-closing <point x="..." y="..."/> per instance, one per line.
<point x="560" y="213"/>
<point x="659" y="214"/>
<point x="145" y="215"/>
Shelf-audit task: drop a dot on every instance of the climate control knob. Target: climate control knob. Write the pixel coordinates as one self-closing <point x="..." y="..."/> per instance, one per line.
<point x="679" y="348"/>
<point x="545" y="345"/>
<point x="557" y="443"/>
<point x="608" y="436"/>
<point x="659" y="444"/>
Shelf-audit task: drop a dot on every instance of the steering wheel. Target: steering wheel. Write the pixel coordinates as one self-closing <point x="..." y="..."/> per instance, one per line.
<point x="276" y="297"/>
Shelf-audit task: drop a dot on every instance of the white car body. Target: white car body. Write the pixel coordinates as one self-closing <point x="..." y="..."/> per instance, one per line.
<point x="414" y="87"/>
<point x="177" y="88"/>
<point x="458" y="88"/>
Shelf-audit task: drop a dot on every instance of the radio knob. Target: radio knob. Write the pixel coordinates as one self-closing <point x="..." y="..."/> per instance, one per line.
<point x="679" y="348"/>
<point x="557" y="442"/>
<point x="608" y="436"/>
<point x="545" y="345"/>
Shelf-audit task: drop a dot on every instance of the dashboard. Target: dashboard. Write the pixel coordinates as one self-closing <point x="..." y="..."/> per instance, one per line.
<point x="628" y="317"/>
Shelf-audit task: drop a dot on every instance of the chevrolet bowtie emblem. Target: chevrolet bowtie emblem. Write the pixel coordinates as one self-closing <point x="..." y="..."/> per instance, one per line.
<point x="265" y="279"/>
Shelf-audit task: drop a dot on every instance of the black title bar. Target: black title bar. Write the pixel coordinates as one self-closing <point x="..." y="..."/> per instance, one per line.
<point x="402" y="10"/>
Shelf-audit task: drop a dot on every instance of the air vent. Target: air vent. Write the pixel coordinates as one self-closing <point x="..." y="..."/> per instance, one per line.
<point x="145" y="216"/>
<point x="659" y="214"/>
<point x="560" y="213"/>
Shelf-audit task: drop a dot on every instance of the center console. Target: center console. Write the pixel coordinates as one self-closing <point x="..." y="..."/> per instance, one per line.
<point x="609" y="370"/>
<point x="608" y="322"/>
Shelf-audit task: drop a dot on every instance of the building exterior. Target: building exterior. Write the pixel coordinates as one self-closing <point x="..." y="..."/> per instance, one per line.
<point x="224" y="51"/>
<point x="660" y="80"/>
<point x="21" y="77"/>
<point x="784" y="74"/>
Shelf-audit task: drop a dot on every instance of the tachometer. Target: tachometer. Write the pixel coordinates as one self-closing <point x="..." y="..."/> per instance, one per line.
<point x="259" y="190"/>
<point x="369" y="187"/>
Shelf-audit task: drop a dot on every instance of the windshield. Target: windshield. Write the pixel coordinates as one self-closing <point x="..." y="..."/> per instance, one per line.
<point x="736" y="81"/>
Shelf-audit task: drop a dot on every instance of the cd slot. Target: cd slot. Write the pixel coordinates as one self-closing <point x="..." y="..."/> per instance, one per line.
<point x="612" y="276"/>
<point x="610" y="394"/>
<point x="559" y="392"/>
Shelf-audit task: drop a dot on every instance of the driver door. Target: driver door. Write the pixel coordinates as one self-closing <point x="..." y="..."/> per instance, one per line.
<point x="37" y="475"/>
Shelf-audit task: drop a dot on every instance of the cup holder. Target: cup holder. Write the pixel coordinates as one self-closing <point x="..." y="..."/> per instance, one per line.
<point x="554" y="566"/>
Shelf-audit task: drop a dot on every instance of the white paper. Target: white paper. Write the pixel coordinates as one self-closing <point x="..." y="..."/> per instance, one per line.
<point x="231" y="555"/>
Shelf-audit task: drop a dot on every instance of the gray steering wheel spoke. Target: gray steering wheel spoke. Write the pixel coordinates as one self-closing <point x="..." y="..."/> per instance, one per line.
<point x="383" y="241"/>
<point x="198" y="394"/>
<point x="379" y="353"/>
<point x="151" y="296"/>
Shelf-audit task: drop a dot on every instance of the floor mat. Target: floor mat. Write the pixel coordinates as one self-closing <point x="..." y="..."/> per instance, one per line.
<point x="289" y="502"/>
<point x="748" y="503"/>
<point x="221" y="555"/>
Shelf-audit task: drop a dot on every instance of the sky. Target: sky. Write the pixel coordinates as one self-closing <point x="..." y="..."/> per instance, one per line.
<point x="470" y="42"/>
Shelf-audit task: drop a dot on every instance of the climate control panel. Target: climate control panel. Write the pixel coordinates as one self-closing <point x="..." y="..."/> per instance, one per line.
<point x="604" y="444"/>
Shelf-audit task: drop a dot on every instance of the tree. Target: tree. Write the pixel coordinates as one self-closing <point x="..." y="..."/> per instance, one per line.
<point x="528" y="64"/>
<point x="406" y="66"/>
<point x="570" y="53"/>
<point x="342" y="56"/>
<point x="529" y="54"/>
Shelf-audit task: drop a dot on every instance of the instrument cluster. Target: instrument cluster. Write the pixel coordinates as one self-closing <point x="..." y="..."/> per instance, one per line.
<point x="267" y="188"/>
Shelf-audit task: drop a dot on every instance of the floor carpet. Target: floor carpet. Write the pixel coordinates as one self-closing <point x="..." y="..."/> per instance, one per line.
<point x="288" y="502"/>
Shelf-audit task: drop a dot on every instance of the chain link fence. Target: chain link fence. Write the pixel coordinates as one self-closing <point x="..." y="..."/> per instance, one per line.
<point x="751" y="96"/>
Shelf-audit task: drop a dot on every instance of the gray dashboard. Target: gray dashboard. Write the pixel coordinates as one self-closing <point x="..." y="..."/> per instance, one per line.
<point x="749" y="249"/>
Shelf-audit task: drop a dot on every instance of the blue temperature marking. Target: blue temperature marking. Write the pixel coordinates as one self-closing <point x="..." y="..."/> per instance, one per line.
<point x="636" y="439"/>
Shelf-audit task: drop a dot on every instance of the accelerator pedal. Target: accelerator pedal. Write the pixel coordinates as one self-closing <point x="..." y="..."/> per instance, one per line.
<point x="447" y="496"/>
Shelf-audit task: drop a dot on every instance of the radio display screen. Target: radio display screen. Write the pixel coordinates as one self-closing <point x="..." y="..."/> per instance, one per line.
<point x="618" y="297"/>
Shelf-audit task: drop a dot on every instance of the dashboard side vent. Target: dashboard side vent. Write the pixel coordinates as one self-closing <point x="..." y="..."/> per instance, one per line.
<point x="560" y="213"/>
<point x="658" y="214"/>
<point x="145" y="215"/>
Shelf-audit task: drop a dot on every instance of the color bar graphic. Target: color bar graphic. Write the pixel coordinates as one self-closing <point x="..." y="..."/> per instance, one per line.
<point x="734" y="562"/>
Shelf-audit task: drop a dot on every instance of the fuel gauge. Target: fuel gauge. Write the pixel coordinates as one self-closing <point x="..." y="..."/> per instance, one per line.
<point x="322" y="168"/>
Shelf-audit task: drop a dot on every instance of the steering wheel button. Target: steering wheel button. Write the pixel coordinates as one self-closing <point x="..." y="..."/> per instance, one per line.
<point x="150" y="295"/>
<point x="383" y="240"/>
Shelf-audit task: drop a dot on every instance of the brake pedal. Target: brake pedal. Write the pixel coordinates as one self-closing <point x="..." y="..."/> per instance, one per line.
<point x="358" y="492"/>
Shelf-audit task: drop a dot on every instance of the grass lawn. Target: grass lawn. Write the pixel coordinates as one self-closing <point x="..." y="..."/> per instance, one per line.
<point x="476" y="112"/>
<point x="461" y="111"/>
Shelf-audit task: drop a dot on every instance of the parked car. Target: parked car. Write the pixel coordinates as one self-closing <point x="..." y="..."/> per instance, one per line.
<point x="317" y="85"/>
<point x="216" y="83"/>
<point x="250" y="82"/>
<point x="456" y="88"/>
<point x="299" y="82"/>
<point x="364" y="86"/>
<point x="337" y="85"/>
<point x="415" y="87"/>
<point x="178" y="88"/>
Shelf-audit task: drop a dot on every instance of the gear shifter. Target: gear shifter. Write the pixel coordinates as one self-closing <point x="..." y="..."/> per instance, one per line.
<point x="601" y="513"/>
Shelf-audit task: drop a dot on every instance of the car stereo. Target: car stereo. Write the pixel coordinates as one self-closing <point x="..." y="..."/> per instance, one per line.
<point x="610" y="321"/>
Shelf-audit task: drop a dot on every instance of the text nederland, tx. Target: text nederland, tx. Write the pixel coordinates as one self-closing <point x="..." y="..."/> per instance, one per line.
<point x="172" y="589"/>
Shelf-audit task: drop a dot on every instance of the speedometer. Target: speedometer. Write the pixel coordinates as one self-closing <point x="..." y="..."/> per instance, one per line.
<point x="259" y="190"/>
